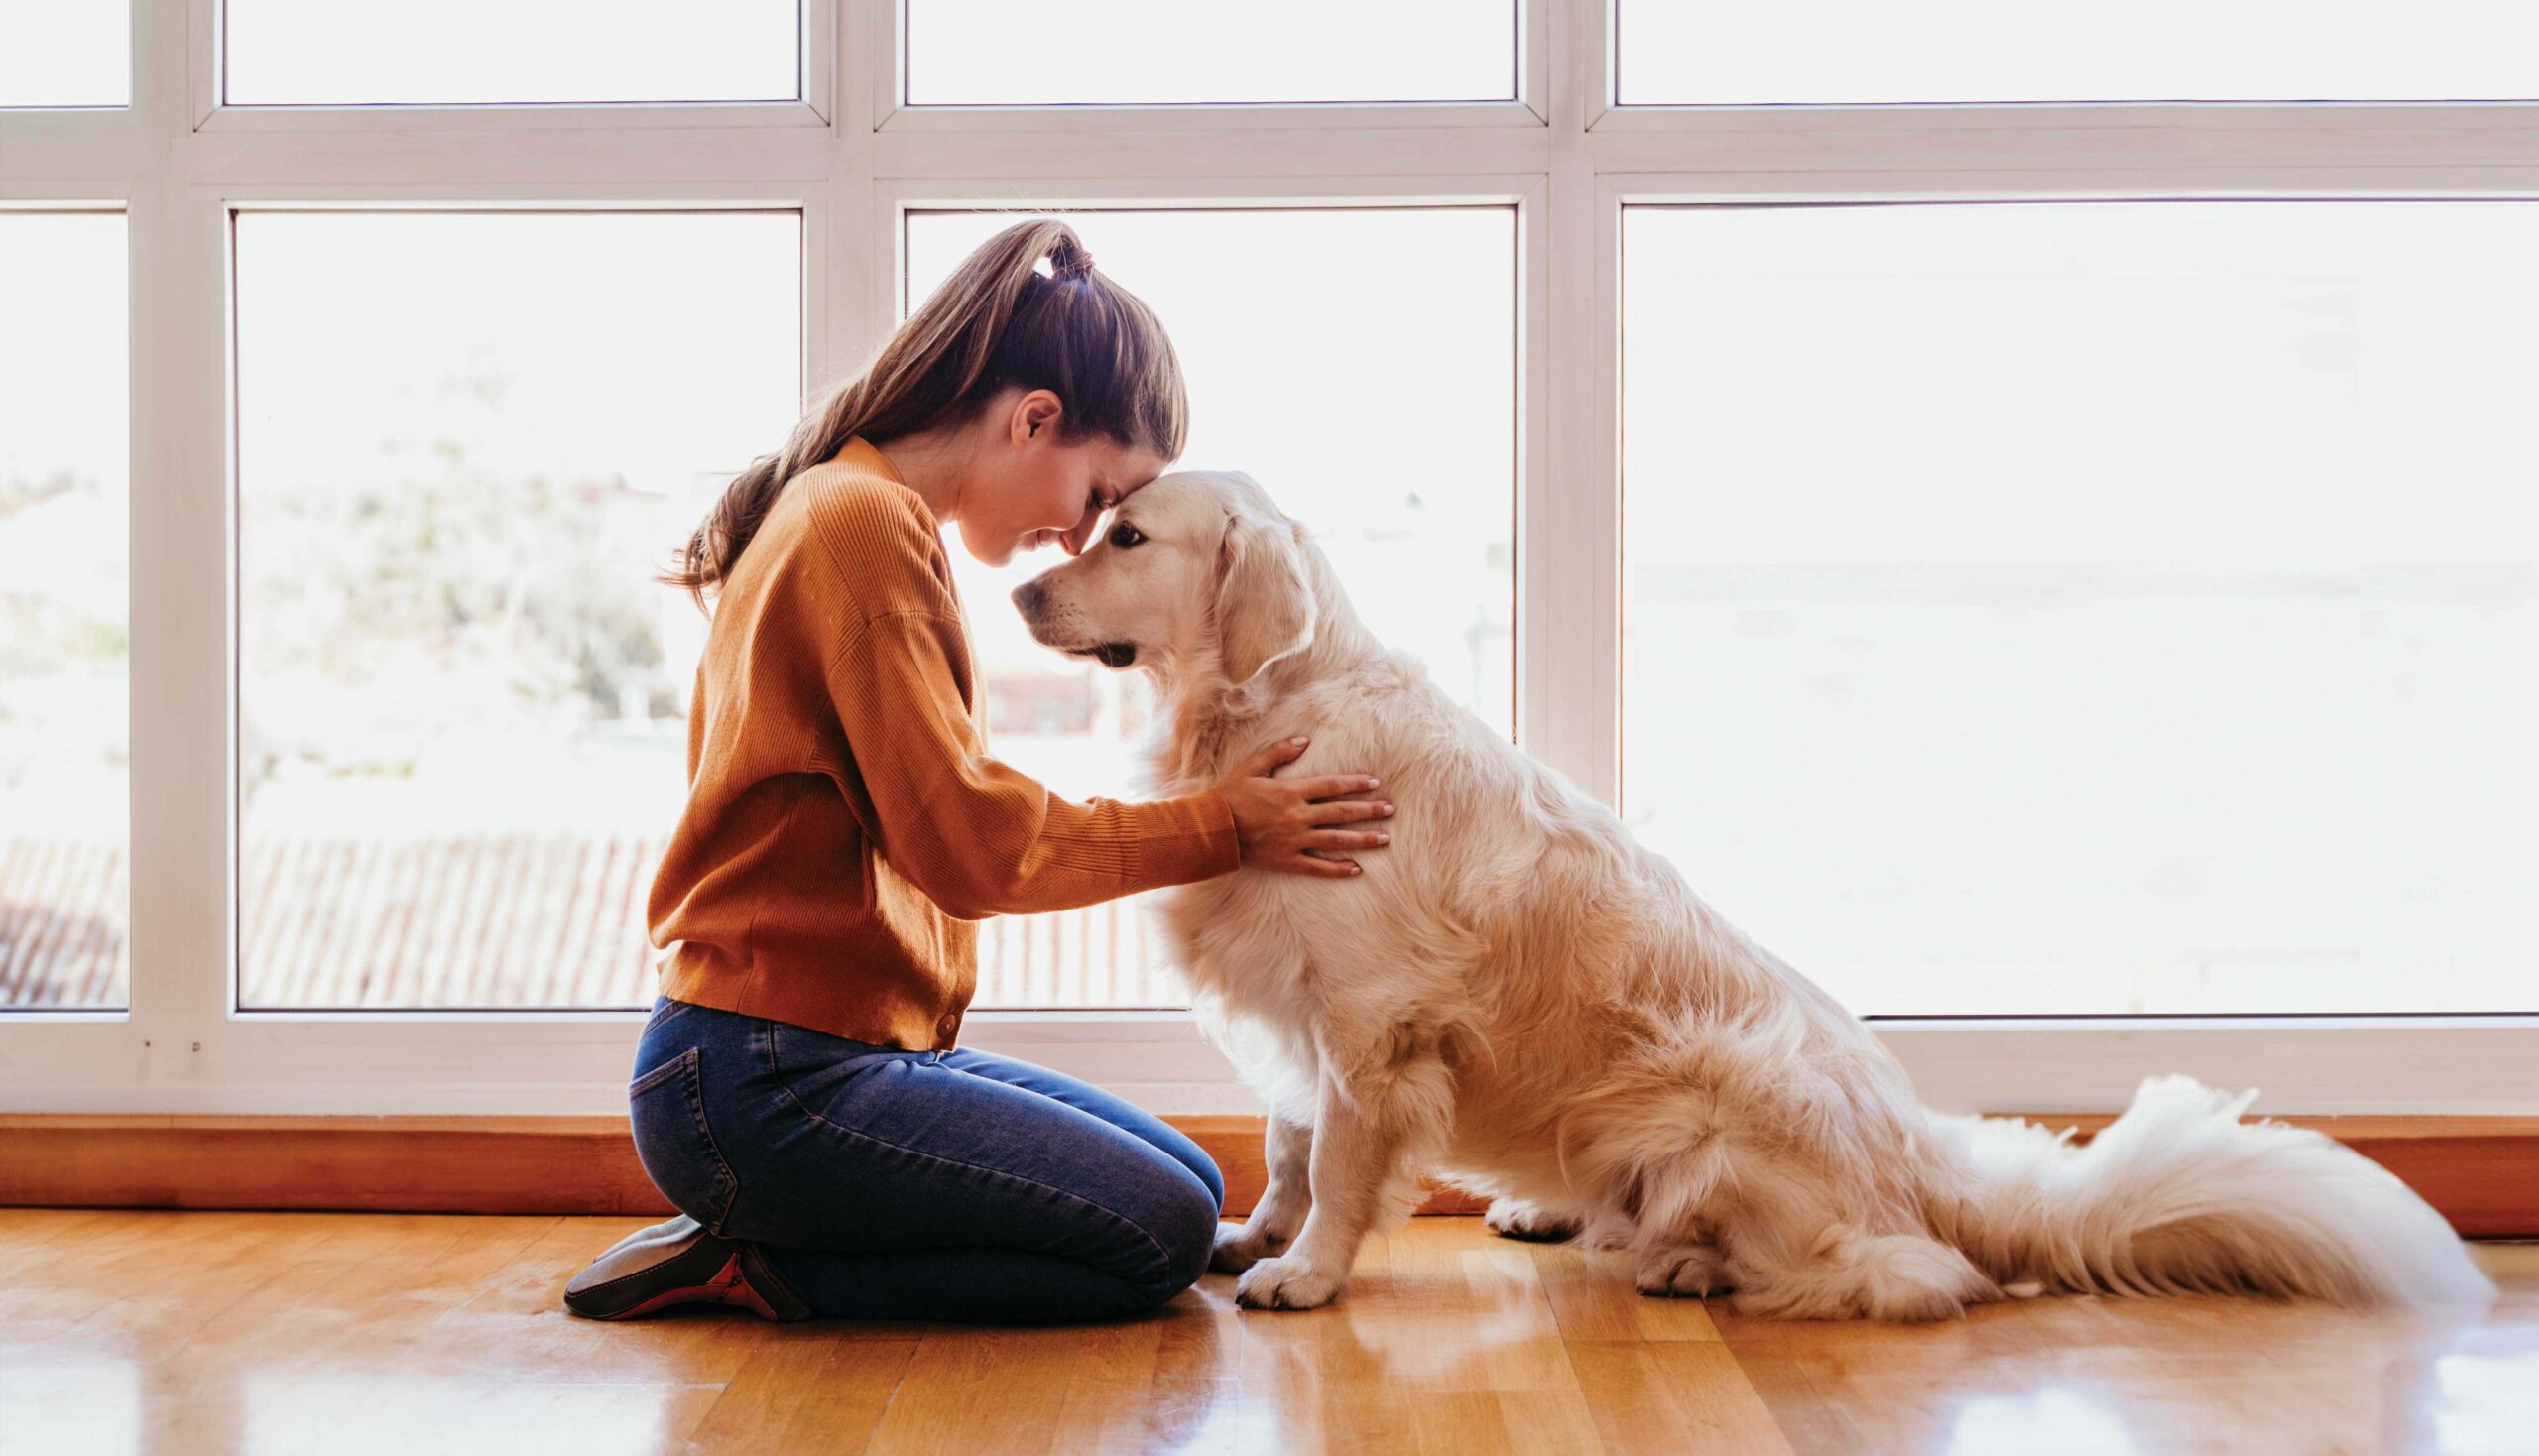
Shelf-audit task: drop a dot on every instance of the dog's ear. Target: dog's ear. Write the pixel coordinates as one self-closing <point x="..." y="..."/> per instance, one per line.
<point x="1265" y="605"/>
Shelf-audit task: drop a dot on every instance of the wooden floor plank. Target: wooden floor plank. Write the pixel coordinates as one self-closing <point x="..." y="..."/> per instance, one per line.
<point x="1594" y="1297"/>
<point x="848" y="1394"/>
<point x="1150" y="1384"/>
<point x="1672" y="1397"/>
<point x="805" y="1383"/>
<point x="35" y="1233"/>
<point x="983" y="1391"/>
<point x="2208" y="1375"/>
<point x="1409" y="1285"/>
<point x="262" y="1333"/>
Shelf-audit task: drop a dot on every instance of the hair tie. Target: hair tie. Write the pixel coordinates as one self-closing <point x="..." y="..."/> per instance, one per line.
<point x="1070" y="261"/>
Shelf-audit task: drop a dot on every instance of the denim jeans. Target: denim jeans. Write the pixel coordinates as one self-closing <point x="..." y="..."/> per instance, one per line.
<point x="887" y="1184"/>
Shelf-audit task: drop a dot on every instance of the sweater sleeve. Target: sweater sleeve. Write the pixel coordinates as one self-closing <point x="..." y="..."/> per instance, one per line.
<point x="978" y="836"/>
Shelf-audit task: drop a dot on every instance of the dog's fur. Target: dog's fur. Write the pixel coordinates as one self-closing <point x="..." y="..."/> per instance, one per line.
<point x="1518" y="997"/>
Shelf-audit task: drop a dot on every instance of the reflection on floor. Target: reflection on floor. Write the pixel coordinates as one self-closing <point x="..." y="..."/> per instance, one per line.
<point x="145" y="1331"/>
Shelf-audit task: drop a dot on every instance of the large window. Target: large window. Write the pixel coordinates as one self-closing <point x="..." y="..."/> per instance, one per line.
<point x="462" y="697"/>
<point x="2107" y="608"/>
<point x="1290" y="328"/>
<point x="65" y="628"/>
<point x="2032" y="546"/>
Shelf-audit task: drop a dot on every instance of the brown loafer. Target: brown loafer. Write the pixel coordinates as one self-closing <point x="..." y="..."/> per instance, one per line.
<point x="677" y="1263"/>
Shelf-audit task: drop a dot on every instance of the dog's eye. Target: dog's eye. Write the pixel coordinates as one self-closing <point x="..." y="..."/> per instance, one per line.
<point x="1125" y="536"/>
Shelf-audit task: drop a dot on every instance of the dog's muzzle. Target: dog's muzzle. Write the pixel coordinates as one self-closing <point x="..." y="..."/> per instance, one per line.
<point x="1031" y="599"/>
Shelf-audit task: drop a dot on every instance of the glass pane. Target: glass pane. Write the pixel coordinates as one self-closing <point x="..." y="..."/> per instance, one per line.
<point x="1669" y="53"/>
<point x="65" y="52"/>
<point x="2093" y="608"/>
<point x="1309" y="339"/>
<point x="66" y="791"/>
<point x="454" y="52"/>
<point x="466" y="443"/>
<point x="984" y="52"/>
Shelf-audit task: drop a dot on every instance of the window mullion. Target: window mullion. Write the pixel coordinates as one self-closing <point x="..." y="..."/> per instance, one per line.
<point x="858" y="314"/>
<point x="180" y="932"/>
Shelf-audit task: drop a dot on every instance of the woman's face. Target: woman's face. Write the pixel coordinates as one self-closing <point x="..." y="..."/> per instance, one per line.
<point x="1030" y="484"/>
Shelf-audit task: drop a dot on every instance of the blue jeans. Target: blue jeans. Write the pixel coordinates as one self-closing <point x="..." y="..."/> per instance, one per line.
<point x="887" y="1184"/>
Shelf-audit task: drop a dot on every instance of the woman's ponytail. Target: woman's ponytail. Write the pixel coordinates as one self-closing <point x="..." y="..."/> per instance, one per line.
<point x="997" y="320"/>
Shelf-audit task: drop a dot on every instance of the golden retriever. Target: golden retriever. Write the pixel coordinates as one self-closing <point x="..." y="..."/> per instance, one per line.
<point x="1519" y="999"/>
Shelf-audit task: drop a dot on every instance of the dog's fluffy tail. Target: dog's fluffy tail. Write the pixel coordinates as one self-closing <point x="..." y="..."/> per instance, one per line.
<point x="2180" y="1196"/>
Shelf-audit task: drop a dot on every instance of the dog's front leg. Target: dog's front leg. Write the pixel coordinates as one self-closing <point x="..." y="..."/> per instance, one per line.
<point x="1354" y="1148"/>
<point x="1284" y="1201"/>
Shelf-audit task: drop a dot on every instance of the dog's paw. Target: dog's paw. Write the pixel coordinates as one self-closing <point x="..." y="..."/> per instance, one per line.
<point x="1522" y="1218"/>
<point x="1609" y="1235"/>
<point x="1286" y="1284"/>
<point x="1914" y="1278"/>
<point x="1240" y="1245"/>
<point x="1682" y="1271"/>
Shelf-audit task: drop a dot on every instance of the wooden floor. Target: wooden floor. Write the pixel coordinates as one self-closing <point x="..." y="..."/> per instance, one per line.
<point x="162" y="1332"/>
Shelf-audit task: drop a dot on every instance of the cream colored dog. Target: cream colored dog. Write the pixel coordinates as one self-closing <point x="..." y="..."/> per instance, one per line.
<point x="1519" y="998"/>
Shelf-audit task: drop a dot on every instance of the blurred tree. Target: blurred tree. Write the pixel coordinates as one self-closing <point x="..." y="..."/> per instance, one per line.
<point x="436" y="591"/>
<point x="47" y="627"/>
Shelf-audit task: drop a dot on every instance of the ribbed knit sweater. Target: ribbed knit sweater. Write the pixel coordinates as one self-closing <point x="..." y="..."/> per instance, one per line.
<point x="845" y="823"/>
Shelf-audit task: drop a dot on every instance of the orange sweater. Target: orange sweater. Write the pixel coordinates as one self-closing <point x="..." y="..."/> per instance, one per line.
<point x="845" y="825"/>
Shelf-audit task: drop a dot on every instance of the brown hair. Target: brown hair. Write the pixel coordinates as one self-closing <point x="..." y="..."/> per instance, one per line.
<point x="997" y="320"/>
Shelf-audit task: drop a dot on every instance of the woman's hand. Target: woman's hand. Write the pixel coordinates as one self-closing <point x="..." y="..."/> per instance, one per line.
<point x="1288" y="824"/>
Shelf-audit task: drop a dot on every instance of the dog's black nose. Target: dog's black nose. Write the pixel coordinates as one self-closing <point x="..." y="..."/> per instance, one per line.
<point x="1027" y="598"/>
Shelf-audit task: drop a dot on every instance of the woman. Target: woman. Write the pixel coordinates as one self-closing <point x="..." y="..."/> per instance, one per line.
<point x="797" y="1094"/>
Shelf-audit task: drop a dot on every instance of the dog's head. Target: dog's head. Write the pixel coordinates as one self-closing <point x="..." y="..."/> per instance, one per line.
<point x="1197" y="574"/>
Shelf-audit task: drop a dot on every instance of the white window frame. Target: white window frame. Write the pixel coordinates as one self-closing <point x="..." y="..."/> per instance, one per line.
<point x="1562" y="154"/>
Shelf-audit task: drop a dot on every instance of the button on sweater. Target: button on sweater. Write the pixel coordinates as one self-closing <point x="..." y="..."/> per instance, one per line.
<point x="846" y="825"/>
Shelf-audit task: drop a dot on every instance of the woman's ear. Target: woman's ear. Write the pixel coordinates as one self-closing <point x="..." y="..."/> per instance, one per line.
<point x="1264" y="606"/>
<point x="1038" y="410"/>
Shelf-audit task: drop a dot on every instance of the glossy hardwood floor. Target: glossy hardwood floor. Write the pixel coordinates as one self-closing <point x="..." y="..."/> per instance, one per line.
<point x="163" y="1332"/>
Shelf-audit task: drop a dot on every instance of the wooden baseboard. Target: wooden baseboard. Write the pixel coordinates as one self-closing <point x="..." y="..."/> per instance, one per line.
<point x="2482" y="1173"/>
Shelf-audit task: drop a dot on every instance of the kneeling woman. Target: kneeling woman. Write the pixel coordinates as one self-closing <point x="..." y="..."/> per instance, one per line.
<point x="797" y="1094"/>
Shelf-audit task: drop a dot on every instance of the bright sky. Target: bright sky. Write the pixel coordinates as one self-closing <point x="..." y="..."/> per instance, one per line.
<point x="2235" y="383"/>
<point x="451" y="52"/>
<point x="1671" y="52"/>
<point x="662" y="347"/>
<point x="982" y="52"/>
<point x="65" y="52"/>
<point x="2091" y="608"/>
<point x="64" y="374"/>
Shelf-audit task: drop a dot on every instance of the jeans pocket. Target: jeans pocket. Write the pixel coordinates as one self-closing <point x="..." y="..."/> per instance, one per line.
<point x="676" y="1143"/>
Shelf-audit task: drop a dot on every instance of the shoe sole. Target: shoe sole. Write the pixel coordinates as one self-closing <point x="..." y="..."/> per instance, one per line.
<point x="728" y="1287"/>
